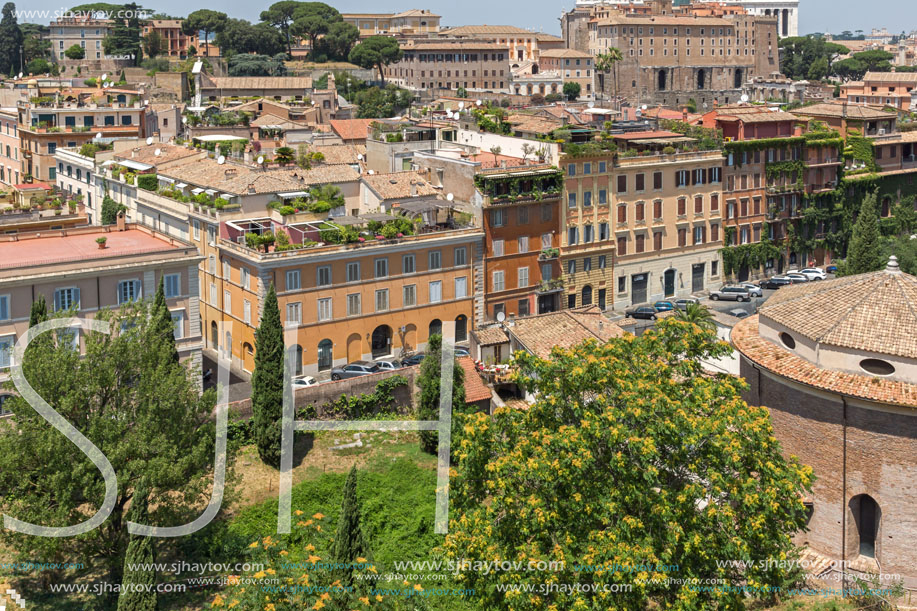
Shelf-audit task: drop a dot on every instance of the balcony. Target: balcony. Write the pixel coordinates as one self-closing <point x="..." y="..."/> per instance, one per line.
<point x="555" y="285"/>
<point x="549" y="254"/>
<point x="777" y="189"/>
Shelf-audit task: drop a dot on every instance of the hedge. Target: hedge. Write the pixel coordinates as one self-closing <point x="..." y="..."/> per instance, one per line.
<point x="148" y="182"/>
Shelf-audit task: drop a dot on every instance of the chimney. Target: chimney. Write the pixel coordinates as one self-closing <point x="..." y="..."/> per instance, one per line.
<point x="121" y="224"/>
<point x="413" y="189"/>
<point x="684" y="114"/>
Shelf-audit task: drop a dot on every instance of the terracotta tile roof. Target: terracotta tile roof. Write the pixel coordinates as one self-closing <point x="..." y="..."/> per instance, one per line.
<point x="269" y="120"/>
<point x="351" y="129"/>
<point x="475" y="389"/>
<point x="510" y="30"/>
<point x="340" y="153"/>
<point x="781" y="361"/>
<point x="167" y="153"/>
<point x="850" y="111"/>
<point x="563" y="53"/>
<point x="398" y="184"/>
<point x="755" y="114"/>
<point x="542" y="37"/>
<point x="665" y="20"/>
<point x="646" y="134"/>
<point x="245" y="180"/>
<point x="891" y="77"/>
<point x="868" y="312"/>
<point x="256" y="82"/>
<point x="487" y="160"/>
<point x="564" y="329"/>
<point x="453" y="45"/>
<point x="533" y="125"/>
<point x="490" y="336"/>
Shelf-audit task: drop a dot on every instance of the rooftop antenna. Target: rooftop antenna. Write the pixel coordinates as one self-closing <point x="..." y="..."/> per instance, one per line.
<point x="371" y="172"/>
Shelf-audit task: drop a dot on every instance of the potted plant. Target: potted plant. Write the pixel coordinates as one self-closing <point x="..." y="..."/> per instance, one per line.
<point x="101" y="241"/>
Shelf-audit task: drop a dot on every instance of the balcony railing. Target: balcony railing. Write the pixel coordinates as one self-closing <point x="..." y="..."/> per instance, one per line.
<point x="550" y="286"/>
<point x="548" y="254"/>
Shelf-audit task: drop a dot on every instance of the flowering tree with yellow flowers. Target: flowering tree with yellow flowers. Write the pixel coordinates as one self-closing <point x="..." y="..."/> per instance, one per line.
<point x="637" y="472"/>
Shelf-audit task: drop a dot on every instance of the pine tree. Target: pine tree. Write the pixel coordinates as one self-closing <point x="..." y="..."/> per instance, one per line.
<point x="429" y="383"/>
<point x="349" y="541"/>
<point x="863" y="254"/>
<point x="163" y="318"/>
<point x="136" y="595"/>
<point x="39" y="311"/>
<point x="267" y="381"/>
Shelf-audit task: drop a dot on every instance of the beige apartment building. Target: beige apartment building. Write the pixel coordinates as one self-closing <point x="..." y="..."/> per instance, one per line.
<point x="9" y="147"/>
<point x="451" y="64"/>
<point x="83" y="31"/>
<point x="175" y="42"/>
<point x="572" y="66"/>
<point x="895" y="89"/>
<point x="71" y="271"/>
<point x="415" y="22"/>
<point x="521" y="43"/>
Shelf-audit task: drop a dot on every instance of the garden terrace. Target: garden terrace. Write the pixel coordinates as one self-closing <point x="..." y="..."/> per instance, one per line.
<point x="526" y="183"/>
<point x="400" y="131"/>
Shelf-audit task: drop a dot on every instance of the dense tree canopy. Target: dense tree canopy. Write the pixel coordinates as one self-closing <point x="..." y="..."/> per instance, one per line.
<point x="250" y="64"/>
<point x="380" y="103"/>
<point x="75" y="52"/>
<point x="280" y="16"/>
<point x="376" y="52"/>
<point x="632" y="454"/>
<point x="204" y="20"/>
<point x="124" y="38"/>
<point x="313" y="19"/>
<point x="10" y="40"/>
<point x="799" y="53"/>
<point x="267" y="381"/>
<point x="240" y="36"/>
<point x="863" y="254"/>
<point x="336" y="44"/>
<point x="35" y="45"/>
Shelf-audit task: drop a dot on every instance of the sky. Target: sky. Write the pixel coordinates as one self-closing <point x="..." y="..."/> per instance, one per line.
<point x="540" y="15"/>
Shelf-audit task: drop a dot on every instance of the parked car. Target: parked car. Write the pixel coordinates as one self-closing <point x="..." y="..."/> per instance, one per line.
<point x="645" y="312"/>
<point x="304" y="381"/>
<point x="831" y="269"/>
<point x="731" y="293"/>
<point x="664" y="306"/>
<point x="738" y="313"/>
<point x="412" y="360"/>
<point x="796" y="277"/>
<point x="354" y="370"/>
<point x="460" y="351"/>
<point x="753" y="289"/>
<point x="388" y="364"/>
<point x="776" y="282"/>
<point x="682" y="304"/>
<point x="814" y="273"/>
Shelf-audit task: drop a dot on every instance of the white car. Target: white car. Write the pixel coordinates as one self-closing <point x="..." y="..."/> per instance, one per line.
<point x="304" y="381"/>
<point x="812" y="273"/>
<point x="753" y="289"/>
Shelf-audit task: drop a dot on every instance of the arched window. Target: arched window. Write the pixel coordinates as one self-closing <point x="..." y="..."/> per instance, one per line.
<point x="382" y="341"/>
<point x="866" y="515"/>
<point x="325" y="356"/>
<point x="660" y="85"/>
<point x="461" y="328"/>
<point x="436" y="326"/>
<point x="701" y="78"/>
<point x="214" y="335"/>
<point x="587" y="295"/>
<point x="737" y="81"/>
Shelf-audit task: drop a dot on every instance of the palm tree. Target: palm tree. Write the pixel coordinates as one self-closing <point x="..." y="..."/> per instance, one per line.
<point x="697" y="314"/>
<point x="607" y="62"/>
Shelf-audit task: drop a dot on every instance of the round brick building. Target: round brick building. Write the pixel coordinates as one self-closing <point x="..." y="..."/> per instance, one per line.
<point x="835" y="361"/>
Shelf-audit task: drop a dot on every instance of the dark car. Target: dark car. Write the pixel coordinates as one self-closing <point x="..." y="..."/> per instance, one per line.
<point x="459" y="351"/>
<point x="354" y="370"/>
<point x="646" y="312"/>
<point x="412" y="360"/>
<point x="738" y="313"/>
<point x="776" y="282"/>
<point x="831" y="269"/>
<point x="664" y="306"/>
<point x="797" y="278"/>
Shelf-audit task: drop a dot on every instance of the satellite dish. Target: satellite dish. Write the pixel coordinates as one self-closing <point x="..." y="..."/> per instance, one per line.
<point x="449" y="113"/>
<point x="157" y="152"/>
<point x="643" y="107"/>
<point x="104" y="76"/>
<point x="359" y="156"/>
<point x="98" y="135"/>
<point x="744" y="97"/>
<point x="478" y="102"/>
<point x="501" y="316"/>
<point x="449" y="197"/>
<point x="591" y="104"/>
<point x="184" y="120"/>
<point x="260" y="159"/>
<point x="20" y="75"/>
<point x="371" y="172"/>
<point x="221" y="160"/>
<point x="705" y="105"/>
<point x="638" y="113"/>
<point x="461" y="105"/>
<point x="149" y="140"/>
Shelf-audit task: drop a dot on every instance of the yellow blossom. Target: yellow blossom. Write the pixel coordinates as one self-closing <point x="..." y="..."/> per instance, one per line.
<point x="318" y="516"/>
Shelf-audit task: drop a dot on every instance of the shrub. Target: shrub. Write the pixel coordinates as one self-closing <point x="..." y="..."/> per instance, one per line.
<point x="286" y="210"/>
<point x="669" y="150"/>
<point x="148" y="182"/>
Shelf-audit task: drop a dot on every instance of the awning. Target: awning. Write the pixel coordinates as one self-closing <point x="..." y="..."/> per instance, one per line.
<point x="226" y="196"/>
<point x="180" y="185"/>
<point x="293" y="194"/>
<point x="168" y="180"/>
<point x="197" y="191"/>
<point x="134" y="165"/>
<point x="210" y="192"/>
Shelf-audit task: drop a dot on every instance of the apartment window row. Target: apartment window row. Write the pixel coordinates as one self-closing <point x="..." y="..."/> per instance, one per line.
<point x="698" y="235"/>
<point x="585" y="264"/>
<point x="499" y="217"/>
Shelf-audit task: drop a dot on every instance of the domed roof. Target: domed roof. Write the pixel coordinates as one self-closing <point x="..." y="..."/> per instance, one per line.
<point x="874" y="312"/>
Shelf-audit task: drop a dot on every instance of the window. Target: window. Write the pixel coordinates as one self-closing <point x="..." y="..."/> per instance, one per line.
<point x="682" y="237"/>
<point x="571" y="266"/>
<point x="571" y="169"/>
<point x="381" y="268"/>
<point x="714" y="265"/>
<point x="353" y="271"/>
<point x="622" y="245"/>
<point x="587" y="264"/>
<point x="435" y="259"/>
<point x="172" y="285"/>
<point x="714" y="203"/>
<point x="382" y="300"/>
<point x="5" y="307"/>
<point x="603" y="197"/>
<point x="409" y="295"/>
<point x="128" y="290"/>
<point x="498" y="248"/>
<point x="587" y="168"/>
<point x="681" y="178"/>
<point x="246" y="311"/>
<point x="498" y="218"/>
<point x="699" y="235"/>
<point x="244" y="277"/>
<point x="587" y="199"/>
<point x="715" y="233"/>
<point x="622" y="213"/>
<point x="226" y="270"/>
<point x="498" y="284"/>
<point x="324" y="309"/>
<point x="212" y="265"/>
<point x="622" y="183"/>
<point x="523" y="245"/>
<point x="572" y="236"/>
<point x="294" y="313"/>
<point x="640" y="212"/>
<point x="657" y="180"/>
<point x="522" y="215"/>
<point x="588" y="234"/>
<point x="571" y="200"/>
<point x="178" y="324"/>
<point x="227" y="302"/>
<point x="65" y="299"/>
<point x="213" y="294"/>
<point x="522" y="277"/>
<point x="523" y="307"/>
<point x="461" y="256"/>
<point x="461" y="287"/>
<point x="699" y="204"/>
<point x="6" y="351"/>
<point x="602" y="263"/>
<point x="682" y="206"/>
<point x="639" y="242"/>
<point x="700" y="176"/>
<point x="353" y="304"/>
<point x="640" y="182"/>
<point x="603" y="232"/>
<point x="211" y="234"/>
<point x="622" y="284"/>
<point x="715" y="174"/>
<point x="657" y="209"/>
<point x="324" y="276"/>
<point x="436" y="291"/>
<point x="546" y="213"/>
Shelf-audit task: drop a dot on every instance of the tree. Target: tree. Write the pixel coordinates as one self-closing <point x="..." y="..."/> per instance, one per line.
<point x="110" y="210"/>
<point x="798" y="53"/>
<point x="376" y="103"/>
<point x="849" y="69"/>
<point x="249" y="64"/>
<point x="313" y="19"/>
<point x="875" y="60"/>
<point x="240" y="36"/>
<point x="10" y="40"/>
<point x="572" y="90"/>
<point x="35" y="42"/>
<point x="608" y="62"/>
<point x="327" y="193"/>
<point x="527" y="149"/>
<point x="376" y="52"/>
<point x="863" y="254"/>
<point x="818" y="70"/>
<point x="39" y="311"/>
<point x="337" y="42"/>
<point x="206" y="21"/>
<point x="690" y="475"/>
<point x="284" y="155"/>
<point x="38" y="66"/>
<point x="162" y="318"/>
<point x="697" y="314"/>
<point x="140" y="408"/>
<point x="125" y="35"/>
<point x="153" y="44"/>
<point x="350" y="542"/>
<point x="280" y="16"/>
<point x="495" y="151"/>
<point x="75" y="52"/>
<point x="267" y="381"/>
<point x="138" y="593"/>
<point x="429" y="382"/>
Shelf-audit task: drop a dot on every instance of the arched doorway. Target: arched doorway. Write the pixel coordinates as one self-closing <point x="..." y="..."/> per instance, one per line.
<point x="587" y="296"/>
<point x="248" y="357"/>
<point x="737" y="79"/>
<point x="436" y="326"/>
<point x="461" y="328"/>
<point x="660" y="80"/>
<point x="214" y="336"/>
<point x="534" y="68"/>
<point x="668" y="282"/>
<point x="382" y="341"/>
<point x="354" y="348"/>
<point x="701" y="78"/>
<point x="326" y="354"/>
<point x="866" y="515"/>
<point x="296" y="351"/>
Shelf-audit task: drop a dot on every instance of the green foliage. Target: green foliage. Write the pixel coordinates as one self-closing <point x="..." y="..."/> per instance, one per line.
<point x="203" y="20"/>
<point x="752" y="256"/>
<point x="162" y="318"/>
<point x="381" y="402"/>
<point x="249" y="64"/>
<point x="376" y="52"/>
<point x="572" y="90"/>
<point x="337" y="42"/>
<point x="708" y="139"/>
<point x="800" y="54"/>
<point x="110" y="210"/>
<point x="39" y="65"/>
<point x="39" y="311"/>
<point x="36" y="44"/>
<point x="284" y="155"/>
<point x="148" y="182"/>
<point x="349" y="541"/>
<point x="154" y="44"/>
<point x="429" y="383"/>
<point x="698" y="476"/>
<point x="379" y="103"/>
<point x="240" y="36"/>
<point x="267" y="381"/>
<point x="864" y="255"/>
<point x="697" y="314"/>
<point x="124" y="36"/>
<point x="156" y="64"/>
<point x="860" y="148"/>
<point x="10" y="39"/>
<point x="139" y="592"/>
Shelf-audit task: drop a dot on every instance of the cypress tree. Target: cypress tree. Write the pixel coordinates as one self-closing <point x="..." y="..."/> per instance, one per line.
<point x="267" y="381"/>
<point x="864" y="254"/>
<point x="429" y="382"/>
<point x="137" y="585"/>
<point x="10" y="39"/>
<point x="349" y="542"/>
<point x="39" y="311"/>
<point x="162" y="318"/>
